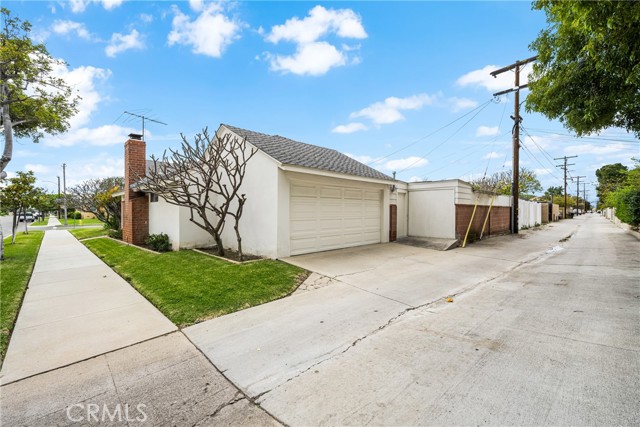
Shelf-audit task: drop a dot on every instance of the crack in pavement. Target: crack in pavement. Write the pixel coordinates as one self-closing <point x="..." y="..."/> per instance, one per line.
<point x="380" y="328"/>
<point x="236" y="398"/>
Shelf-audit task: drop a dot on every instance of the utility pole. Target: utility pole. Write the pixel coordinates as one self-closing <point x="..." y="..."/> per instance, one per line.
<point x="578" y="194"/>
<point x="64" y="188"/>
<point x="58" y="197"/>
<point x="564" y="167"/>
<point x="584" y="195"/>
<point x="517" y="66"/>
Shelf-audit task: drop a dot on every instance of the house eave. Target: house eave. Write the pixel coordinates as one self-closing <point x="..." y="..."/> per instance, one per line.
<point x="330" y="174"/>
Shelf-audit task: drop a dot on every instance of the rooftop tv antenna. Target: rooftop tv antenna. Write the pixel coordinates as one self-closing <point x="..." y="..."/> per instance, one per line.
<point x="143" y="119"/>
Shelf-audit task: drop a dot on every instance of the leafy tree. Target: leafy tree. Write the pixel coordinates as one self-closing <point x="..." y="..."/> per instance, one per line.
<point x="33" y="101"/>
<point x="588" y="73"/>
<point x="17" y="196"/>
<point x="626" y="198"/>
<point x="553" y="191"/>
<point x="96" y="196"/>
<point x="206" y="178"/>
<point x="610" y="178"/>
<point x="501" y="183"/>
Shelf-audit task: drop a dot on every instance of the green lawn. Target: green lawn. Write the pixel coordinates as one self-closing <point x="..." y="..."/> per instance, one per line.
<point x="15" y="272"/>
<point x="85" y="233"/>
<point x="189" y="287"/>
<point x="39" y="223"/>
<point x="88" y="221"/>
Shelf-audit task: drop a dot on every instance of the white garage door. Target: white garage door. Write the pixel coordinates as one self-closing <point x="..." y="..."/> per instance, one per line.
<point x="327" y="217"/>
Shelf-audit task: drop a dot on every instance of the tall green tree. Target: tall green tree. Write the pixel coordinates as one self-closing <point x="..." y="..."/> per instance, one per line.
<point x="33" y="100"/>
<point x="588" y="69"/>
<point x="18" y="195"/>
<point x="501" y="183"/>
<point x="610" y="178"/>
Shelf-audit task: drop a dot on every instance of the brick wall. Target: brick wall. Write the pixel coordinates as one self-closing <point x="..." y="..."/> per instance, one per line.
<point x="135" y="205"/>
<point x="499" y="221"/>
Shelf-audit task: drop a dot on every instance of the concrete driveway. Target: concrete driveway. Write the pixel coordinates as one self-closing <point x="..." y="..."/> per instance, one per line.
<point x="266" y="346"/>
<point x="542" y="331"/>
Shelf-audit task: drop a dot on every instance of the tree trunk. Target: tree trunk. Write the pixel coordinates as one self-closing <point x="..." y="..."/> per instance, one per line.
<point x="218" y="240"/>
<point x="235" y="227"/>
<point x="8" y="133"/>
<point x="24" y="215"/>
<point x="14" y="226"/>
<point x="1" y="243"/>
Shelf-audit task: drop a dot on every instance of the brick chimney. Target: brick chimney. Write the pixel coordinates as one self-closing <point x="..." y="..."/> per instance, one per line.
<point x="135" y="204"/>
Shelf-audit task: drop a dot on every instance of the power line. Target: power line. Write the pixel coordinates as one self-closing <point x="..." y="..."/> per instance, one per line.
<point x="430" y="134"/>
<point x="447" y="139"/>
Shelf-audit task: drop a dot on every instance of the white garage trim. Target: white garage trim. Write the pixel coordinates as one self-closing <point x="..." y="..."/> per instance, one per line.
<point x="325" y="216"/>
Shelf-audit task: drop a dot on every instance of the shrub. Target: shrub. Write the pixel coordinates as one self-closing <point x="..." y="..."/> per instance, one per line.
<point x="158" y="242"/>
<point x="115" y="234"/>
<point x="74" y="215"/>
<point x="627" y="204"/>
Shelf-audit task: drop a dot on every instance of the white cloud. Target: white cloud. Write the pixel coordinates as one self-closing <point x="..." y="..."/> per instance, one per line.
<point x="542" y="172"/>
<point x="482" y="78"/>
<point x="492" y="155"/>
<point x="362" y="159"/>
<point x="458" y="104"/>
<point x="416" y="179"/>
<point x="388" y="111"/>
<point x="37" y="168"/>
<point x="596" y="149"/>
<point x="320" y="22"/>
<point x="122" y="42"/>
<point x="146" y="18"/>
<point x="487" y="131"/>
<point x="100" y="136"/>
<point x="349" y="128"/>
<point x="100" y="166"/>
<point x="314" y="57"/>
<point x="79" y="6"/>
<point x="111" y="4"/>
<point x="66" y="27"/>
<point x="84" y="81"/>
<point x="407" y="163"/>
<point x="208" y="34"/>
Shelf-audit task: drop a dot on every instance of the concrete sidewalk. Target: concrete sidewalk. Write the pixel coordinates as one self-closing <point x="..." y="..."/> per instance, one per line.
<point x="75" y="308"/>
<point x="53" y="221"/>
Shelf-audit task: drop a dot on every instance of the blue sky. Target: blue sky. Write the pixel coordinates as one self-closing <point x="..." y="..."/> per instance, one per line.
<point x="371" y="79"/>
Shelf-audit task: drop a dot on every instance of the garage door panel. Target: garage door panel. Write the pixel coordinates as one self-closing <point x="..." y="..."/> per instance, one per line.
<point x="332" y="217"/>
<point x="372" y="195"/>
<point x="303" y="191"/>
<point x="353" y="193"/>
<point x="330" y="193"/>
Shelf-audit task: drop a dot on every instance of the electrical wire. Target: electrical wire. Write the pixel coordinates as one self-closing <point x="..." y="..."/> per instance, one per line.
<point x="482" y="106"/>
<point x="448" y="138"/>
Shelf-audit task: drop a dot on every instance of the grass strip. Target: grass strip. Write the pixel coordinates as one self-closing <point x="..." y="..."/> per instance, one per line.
<point x="189" y="287"/>
<point x="85" y="233"/>
<point x="15" y="271"/>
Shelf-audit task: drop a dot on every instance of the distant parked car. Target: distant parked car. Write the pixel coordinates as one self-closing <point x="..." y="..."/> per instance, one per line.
<point x="27" y="216"/>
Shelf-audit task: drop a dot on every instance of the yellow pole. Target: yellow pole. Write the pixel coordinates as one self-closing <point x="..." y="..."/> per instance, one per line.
<point x="470" y="222"/>
<point x="487" y="218"/>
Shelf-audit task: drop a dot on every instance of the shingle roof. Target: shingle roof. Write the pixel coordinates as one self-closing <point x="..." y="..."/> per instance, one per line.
<point x="290" y="152"/>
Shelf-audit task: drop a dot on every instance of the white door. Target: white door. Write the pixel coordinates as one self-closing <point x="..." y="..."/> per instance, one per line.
<point x="325" y="217"/>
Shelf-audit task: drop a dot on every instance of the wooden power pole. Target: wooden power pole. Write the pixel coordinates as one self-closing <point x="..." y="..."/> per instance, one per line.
<point x="564" y="167"/>
<point x="578" y="194"/>
<point x="517" y="66"/>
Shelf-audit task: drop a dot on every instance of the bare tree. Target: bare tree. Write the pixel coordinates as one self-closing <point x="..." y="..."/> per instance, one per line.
<point x="206" y="178"/>
<point x="95" y="196"/>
